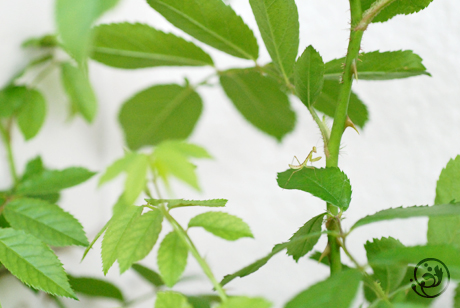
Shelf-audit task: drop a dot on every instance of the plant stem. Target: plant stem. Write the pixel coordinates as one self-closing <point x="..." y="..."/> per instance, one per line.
<point x="191" y="247"/>
<point x="6" y="136"/>
<point x="338" y="127"/>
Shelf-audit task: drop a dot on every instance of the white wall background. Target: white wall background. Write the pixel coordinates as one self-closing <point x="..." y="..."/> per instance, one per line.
<point x="413" y="131"/>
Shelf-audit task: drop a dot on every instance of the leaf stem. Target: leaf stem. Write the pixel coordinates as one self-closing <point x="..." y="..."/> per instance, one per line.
<point x="369" y="14"/>
<point x="6" y="136"/>
<point x="191" y="246"/>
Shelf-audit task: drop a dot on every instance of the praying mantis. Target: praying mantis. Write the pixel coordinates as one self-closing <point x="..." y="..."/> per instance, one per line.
<point x="300" y="166"/>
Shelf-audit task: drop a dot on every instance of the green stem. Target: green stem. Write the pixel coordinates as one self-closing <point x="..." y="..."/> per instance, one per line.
<point x="6" y="136"/>
<point x="191" y="247"/>
<point x="370" y="14"/>
<point x="340" y="117"/>
<point x="204" y="265"/>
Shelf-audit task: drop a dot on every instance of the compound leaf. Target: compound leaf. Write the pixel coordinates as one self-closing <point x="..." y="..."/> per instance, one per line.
<point x="32" y="262"/>
<point x="278" y="23"/>
<point x="172" y="258"/>
<point x="127" y="45"/>
<point x="160" y="113"/>
<point x="45" y="221"/>
<point x="337" y="291"/>
<point x="329" y="184"/>
<point x="259" y="99"/>
<point x="308" y="76"/>
<point x="139" y="239"/>
<point x="378" y="65"/>
<point x="212" y="22"/>
<point x="221" y="224"/>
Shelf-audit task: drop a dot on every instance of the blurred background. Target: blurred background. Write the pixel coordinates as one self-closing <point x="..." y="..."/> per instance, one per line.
<point x="414" y="129"/>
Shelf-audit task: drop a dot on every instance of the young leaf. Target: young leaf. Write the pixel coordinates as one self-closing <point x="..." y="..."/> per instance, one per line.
<point x="173" y="203"/>
<point x="259" y="99"/>
<point x="328" y="100"/>
<point x="390" y="276"/>
<point x="308" y="76"/>
<point x="52" y="181"/>
<point x="212" y="22"/>
<point x="79" y="90"/>
<point x="152" y="115"/>
<point x="245" y="302"/>
<point x="278" y="23"/>
<point x="171" y="299"/>
<point x="300" y="249"/>
<point x="139" y="239"/>
<point x="202" y="301"/>
<point x="45" y="221"/>
<point x="172" y="158"/>
<point x="118" y="167"/>
<point x="337" y="291"/>
<point x="126" y="45"/>
<point x="31" y="115"/>
<point x="119" y="225"/>
<point x="32" y="262"/>
<point x="98" y="235"/>
<point x="95" y="288"/>
<point x="446" y="229"/>
<point x="74" y="20"/>
<point x="329" y="184"/>
<point x="11" y="99"/>
<point x="408" y="212"/>
<point x="172" y="258"/>
<point x="221" y="224"/>
<point x="33" y="167"/>
<point x="150" y="275"/>
<point x="378" y="65"/>
<point x="405" y="7"/>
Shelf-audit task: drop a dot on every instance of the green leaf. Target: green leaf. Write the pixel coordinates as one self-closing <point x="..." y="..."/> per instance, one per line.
<point x="98" y="235"/>
<point x="31" y="115"/>
<point x="79" y="90"/>
<point x="398" y="7"/>
<point x="317" y="255"/>
<point x="150" y="275"/>
<point x="33" y="167"/>
<point x="259" y="99"/>
<point x="337" y="291"/>
<point x="446" y="229"/>
<point x="378" y="65"/>
<point x="278" y="23"/>
<point x="172" y="158"/>
<point x="126" y="45"/>
<point x="172" y="258"/>
<point x="253" y="267"/>
<point x="212" y="22"/>
<point x="329" y="184"/>
<point x="308" y="76"/>
<point x="202" y="301"/>
<point x="389" y="276"/>
<point x="457" y="297"/>
<point x="32" y="262"/>
<point x="52" y="181"/>
<point x="328" y="100"/>
<point x="74" y="20"/>
<point x="118" y="167"/>
<point x="173" y="203"/>
<point x="300" y="249"/>
<point x="139" y="239"/>
<point x="46" y="221"/>
<point x="408" y="212"/>
<point x="152" y="115"/>
<point x="171" y="299"/>
<point x="95" y="288"/>
<point x="114" y="236"/>
<point x="221" y="224"/>
<point x="245" y="302"/>
<point x="11" y="99"/>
